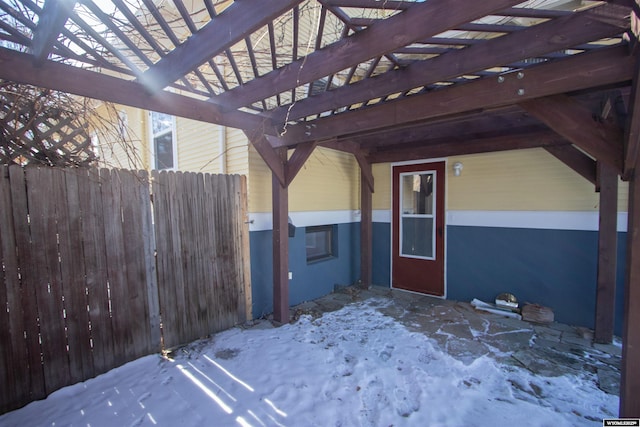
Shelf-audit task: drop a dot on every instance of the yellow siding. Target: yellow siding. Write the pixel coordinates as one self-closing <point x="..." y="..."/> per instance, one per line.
<point x="328" y="181"/>
<point x="237" y="152"/>
<point x="382" y="186"/>
<point x="527" y="180"/>
<point x="522" y="180"/>
<point x="134" y="154"/>
<point x="198" y="146"/>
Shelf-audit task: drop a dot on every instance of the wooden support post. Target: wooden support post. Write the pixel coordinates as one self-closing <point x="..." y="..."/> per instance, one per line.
<point x="366" y="231"/>
<point x="630" y="375"/>
<point x="280" y="199"/>
<point x="607" y="254"/>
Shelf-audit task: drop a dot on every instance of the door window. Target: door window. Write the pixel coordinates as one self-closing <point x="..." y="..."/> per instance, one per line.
<point x="417" y="218"/>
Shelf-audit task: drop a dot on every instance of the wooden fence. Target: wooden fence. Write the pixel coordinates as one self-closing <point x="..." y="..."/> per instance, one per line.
<point x="91" y="269"/>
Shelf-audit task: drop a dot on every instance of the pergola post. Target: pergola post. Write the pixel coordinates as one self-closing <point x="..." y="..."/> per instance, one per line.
<point x="366" y="232"/>
<point x="630" y="375"/>
<point x="607" y="254"/>
<point x="280" y="199"/>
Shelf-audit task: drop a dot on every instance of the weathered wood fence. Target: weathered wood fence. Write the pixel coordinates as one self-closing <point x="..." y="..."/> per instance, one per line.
<point x="93" y="274"/>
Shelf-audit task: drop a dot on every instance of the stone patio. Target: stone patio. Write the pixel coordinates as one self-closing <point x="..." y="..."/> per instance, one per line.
<point x="466" y="334"/>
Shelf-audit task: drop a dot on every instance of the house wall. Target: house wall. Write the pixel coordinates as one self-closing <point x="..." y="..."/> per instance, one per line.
<point x="325" y="192"/>
<point x="519" y="222"/>
<point x="110" y="147"/>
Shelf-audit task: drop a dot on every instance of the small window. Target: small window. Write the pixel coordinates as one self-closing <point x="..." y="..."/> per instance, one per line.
<point x="320" y="243"/>
<point x="162" y="127"/>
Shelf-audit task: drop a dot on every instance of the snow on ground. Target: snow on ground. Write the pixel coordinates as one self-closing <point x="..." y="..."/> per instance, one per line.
<point x="352" y="367"/>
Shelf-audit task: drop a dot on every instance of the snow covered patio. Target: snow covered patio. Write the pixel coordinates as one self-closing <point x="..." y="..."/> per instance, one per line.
<point x="356" y="358"/>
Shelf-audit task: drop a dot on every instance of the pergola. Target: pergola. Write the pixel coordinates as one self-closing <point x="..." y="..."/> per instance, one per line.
<point x="385" y="80"/>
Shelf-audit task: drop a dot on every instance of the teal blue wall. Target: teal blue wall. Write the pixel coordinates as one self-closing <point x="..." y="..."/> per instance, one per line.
<point x="555" y="268"/>
<point x="310" y="281"/>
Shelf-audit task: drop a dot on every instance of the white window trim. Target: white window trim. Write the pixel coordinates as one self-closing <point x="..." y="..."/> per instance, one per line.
<point x="152" y="145"/>
<point x="425" y="216"/>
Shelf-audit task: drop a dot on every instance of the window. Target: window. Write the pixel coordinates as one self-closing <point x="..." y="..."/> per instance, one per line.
<point x="320" y="243"/>
<point x="163" y="141"/>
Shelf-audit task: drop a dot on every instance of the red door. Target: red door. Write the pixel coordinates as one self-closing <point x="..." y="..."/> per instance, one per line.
<point x="418" y="228"/>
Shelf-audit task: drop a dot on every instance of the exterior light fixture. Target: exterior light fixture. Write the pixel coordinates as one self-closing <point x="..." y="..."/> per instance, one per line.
<point x="457" y="168"/>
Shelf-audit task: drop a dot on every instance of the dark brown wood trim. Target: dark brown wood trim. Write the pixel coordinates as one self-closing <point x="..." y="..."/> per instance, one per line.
<point x="630" y="372"/>
<point x="424" y="20"/>
<point x="533" y="41"/>
<point x="233" y="25"/>
<point x="280" y="200"/>
<point x="632" y="131"/>
<point x="366" y="226"/>
<point x="576" y="160"/>
<point x="484" y="145"/>
<point x="271" y="156"/>
<point x="297" y="160"/>
<point x="607" y="254"/>
<point x="575" y="123"/>
<point x="365" y="169"/>
<point x="18" y="67"/>
<point x="582" y="71"/>
<point x="51" y="23"/>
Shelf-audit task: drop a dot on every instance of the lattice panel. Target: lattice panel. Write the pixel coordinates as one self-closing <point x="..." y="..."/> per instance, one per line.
<point x="36" y="129"/>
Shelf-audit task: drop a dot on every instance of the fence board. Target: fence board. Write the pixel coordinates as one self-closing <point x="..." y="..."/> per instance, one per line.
<point x="95" y="261"/>
<point x="28" y="280"/>
<point x="48" y="284"/>
<point x="136" y="295"/>
<point x="84" y="291"/>
<point x="149" y="242"/>
<point x="14" y="368"/>
<point x="116" y="268"/>
<point x="68" y="217"/>
<point x="196" y="238"/>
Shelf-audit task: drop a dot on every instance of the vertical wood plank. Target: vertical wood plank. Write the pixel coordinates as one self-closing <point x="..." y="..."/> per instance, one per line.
<point x="41" y="188"/>
<point x="244" y="255"/>
<point x="151" y="280"/>
<point x="607" y="254"/>
<point x="280" y="202"/>
<point x="164" y="262"/>
<point x="29" y="268"/>
<point x="116" y="266"/>
<point x="135" y="297"/>
<point x="213" y="278"/>
<point x="14" y="368"/>
<point x="366" y="227"/>
<point x="630" y="372"/>
<point x="68" y="216"/>
<point x="95" y="260"/>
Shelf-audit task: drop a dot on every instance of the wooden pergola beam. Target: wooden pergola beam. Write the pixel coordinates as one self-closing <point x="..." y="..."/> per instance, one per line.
<point x="271" y="156"/>
<point x="422" y="20"/>
<point x="471" y="146"/>
<point x="50" y="24"/>
<point x="568" y="31"/>
<point x="576" y="160"/>
<point x="576" y="124"/>
<point x="582" y="71"/>
<point x="632" y="131"/>
<point x="297" y="160"/>
<point x="18" y="67"/>
<point x="630" y="372"/>
<point x="238" y="21"/>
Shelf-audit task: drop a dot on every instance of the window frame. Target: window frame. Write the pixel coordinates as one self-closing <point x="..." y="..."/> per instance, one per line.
<point x="152" y="142"/>
<point x="331" y="251"/>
